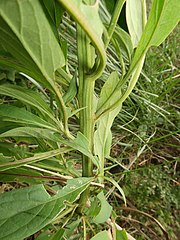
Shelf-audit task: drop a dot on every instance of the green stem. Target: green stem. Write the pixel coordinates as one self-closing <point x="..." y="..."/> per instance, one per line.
<point x="62" y="107"/>
<point x="85" y="97"/>
<point x="114" y="20"/>
<point x="81" y="19"/>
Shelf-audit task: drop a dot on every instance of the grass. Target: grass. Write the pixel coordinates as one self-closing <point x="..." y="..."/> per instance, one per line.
<point x="149" y="146"/>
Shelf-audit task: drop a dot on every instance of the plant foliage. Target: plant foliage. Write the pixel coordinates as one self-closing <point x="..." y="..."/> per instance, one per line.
<point x="37" y="111"/>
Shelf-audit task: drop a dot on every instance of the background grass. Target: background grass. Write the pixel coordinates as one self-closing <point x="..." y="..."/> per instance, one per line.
<point x="147" y="142"/>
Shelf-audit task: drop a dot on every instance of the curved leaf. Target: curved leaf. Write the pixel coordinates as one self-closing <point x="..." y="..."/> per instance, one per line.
<point x="163" y="17"/>
<point x="29" y="97"/>
<point x="20" y="115"/>
<point x="105" y="210"/>
<point x="7" y="163"/>
<point x="80" y="143"/>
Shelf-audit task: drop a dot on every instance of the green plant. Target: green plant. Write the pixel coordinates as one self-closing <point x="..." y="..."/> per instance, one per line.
<point x="39" y="142"/>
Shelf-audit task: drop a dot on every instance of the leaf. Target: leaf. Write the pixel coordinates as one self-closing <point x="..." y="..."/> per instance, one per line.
<point x="135" y="19"/>
<point x="117" y="186"/>
<point x="27" y="210"/>
<point x="164" y="16"/>
<point x="104" y="235"/>
<point x="103" y="136"/>
<point x="91" y="13"/>
<point x="121" y="235"/>
<point x="22" y="175"/>
<point x="80" y="143"/>
<point x="70" y="228"/>
<point x="29" y="97"/>
<point x="110" y="5"/>
<point x="58" y="235"/>
<point x="20" y="115"/>
<point x="54" y="10"/>
<point x="26" y="34"/>
<point x="108" y="89"/>
<point x="72" y="90"/>
<point x="5" y="159"/>
<point x="124" y="40"/>
<point x="8" y="163"/>
<point x="105" y="210"/>
<point x="158" y="26"/>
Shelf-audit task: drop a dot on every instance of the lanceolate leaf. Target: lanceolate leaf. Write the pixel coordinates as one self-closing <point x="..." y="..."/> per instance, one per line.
<point x="72" y="90"/>
<point x="121" y="235"/>
<point x="135" y="19"/>
<point x="26" y="34"/>
<point x="80" y="143"/>
<point x="26" y="211"/>
<point x="103" y="137"/>
<point x="20" y="115"/>
<point x="163" y="17"/>
<point x="55" y="11"/>
<point x="28" y="97"/>
<point x="9" y="163"/>
<point x="124" y="40"/>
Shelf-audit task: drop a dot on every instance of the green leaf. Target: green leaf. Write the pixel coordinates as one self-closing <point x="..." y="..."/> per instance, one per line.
<point x="8" y="163"/>
<point x="105" y="210"/>
<point x="20" y="115"/>
<point x="124" y="41"/>
<point x="163" y="17"/>
<point x="26" y="211"/>
<point x="26" y="34"/>
<point x="121" y="235"/>
<point x="54" y="10"/>
<point x="110" y="5"/>
<point x="70" y="228"/>
<point x="5" y="159"/>
<point x="135" y="19"/>
<point x="104" y="235"/>
<point x="91" y="13"/>
<point x="103" y="136"/>
<point x="22" y="175"/>
<point x="117" y="186"/>
<point x="158" y="27"/>
<point x="80" y="143"/>
<point x="109" y="90"/>
<point x="72" y="90"/>
<point x="28" y="97"/>
<point x="58" y="235"/>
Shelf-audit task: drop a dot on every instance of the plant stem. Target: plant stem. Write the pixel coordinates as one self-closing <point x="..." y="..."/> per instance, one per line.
<point x="85" y="97"/>
<point x="81" y="19"/>
<point x="114" y="20"/>
<point x="62" y="107"/>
